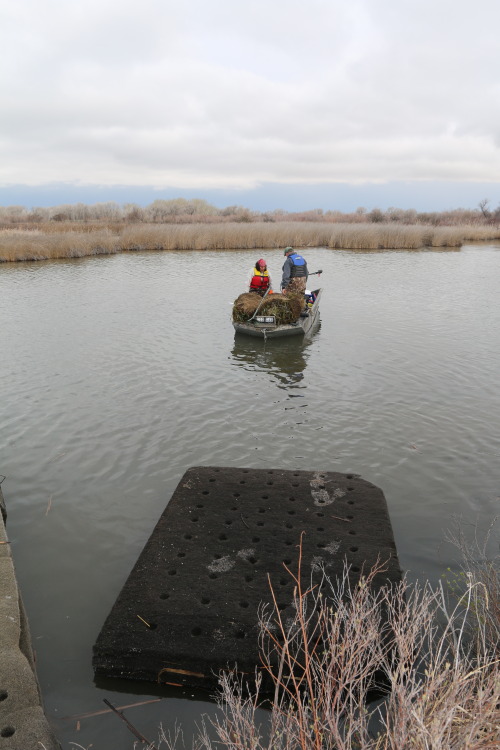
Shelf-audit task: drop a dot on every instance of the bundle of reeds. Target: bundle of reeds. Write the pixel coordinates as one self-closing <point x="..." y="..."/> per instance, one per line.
<point x="245" y="305"/>
<point x="285" y="309"/>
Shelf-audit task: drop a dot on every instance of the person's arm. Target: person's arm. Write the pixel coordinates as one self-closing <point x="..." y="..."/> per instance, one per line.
<point x="287" y="270"/>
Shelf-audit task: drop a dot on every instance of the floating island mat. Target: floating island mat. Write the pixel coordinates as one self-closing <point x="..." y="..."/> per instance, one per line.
<point x="190" y="606"/>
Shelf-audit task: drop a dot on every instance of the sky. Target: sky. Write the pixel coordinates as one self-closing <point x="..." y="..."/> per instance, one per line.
<point x="329" y="104"/>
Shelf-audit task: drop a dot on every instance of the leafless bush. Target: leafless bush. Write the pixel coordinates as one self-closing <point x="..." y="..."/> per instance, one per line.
<point x="442" y="689"/>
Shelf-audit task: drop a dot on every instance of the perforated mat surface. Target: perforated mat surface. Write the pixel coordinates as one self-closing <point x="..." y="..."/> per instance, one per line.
<point x="190" y="605"/>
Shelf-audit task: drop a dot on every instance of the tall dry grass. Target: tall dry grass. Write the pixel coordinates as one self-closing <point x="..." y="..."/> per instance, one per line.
<point x="442" y="679"/>
<point x="54" y="241"/>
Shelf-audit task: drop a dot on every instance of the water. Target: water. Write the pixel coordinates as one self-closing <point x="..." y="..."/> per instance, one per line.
<point x="121" y="372"/>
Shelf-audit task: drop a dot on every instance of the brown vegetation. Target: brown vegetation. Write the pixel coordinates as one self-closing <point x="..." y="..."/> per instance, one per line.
<point x="71" y="231"/>
<point x="286" y="309"/>
<point x="64" y="240"/>
<point x="440" y="667"/>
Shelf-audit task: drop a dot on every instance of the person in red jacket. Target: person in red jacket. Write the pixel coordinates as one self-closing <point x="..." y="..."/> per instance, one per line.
<point x="259" y="279"/>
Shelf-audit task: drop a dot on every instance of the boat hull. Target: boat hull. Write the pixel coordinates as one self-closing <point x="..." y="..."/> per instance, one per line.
<point x="302" y="327"/>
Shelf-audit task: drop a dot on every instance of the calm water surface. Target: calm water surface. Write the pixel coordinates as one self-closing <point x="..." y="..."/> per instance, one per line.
<point x="119" y="373"/>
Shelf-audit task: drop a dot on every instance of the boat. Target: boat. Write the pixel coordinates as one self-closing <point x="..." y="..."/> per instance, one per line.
<point x="265" y="327"/>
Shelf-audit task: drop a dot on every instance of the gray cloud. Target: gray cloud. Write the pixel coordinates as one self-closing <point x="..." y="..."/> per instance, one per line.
<point x="218" y="95"/>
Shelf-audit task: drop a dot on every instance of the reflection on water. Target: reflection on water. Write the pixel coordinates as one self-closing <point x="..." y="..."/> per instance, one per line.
<point x="283" y="359"/>
<point x="110" y="392"/>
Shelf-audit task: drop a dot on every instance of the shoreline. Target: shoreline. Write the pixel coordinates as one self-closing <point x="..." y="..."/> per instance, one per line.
<point x="74" y="240"/>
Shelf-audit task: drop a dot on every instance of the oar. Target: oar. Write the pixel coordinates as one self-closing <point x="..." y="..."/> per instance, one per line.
<point x="260" y="304"/>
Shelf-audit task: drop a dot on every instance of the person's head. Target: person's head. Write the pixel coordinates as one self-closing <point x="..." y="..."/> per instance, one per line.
<point x="288" y="250"/>
<point x="261" y="265"/>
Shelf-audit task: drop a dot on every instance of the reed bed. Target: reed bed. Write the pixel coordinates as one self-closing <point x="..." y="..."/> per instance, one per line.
<point x="76" y="241"/>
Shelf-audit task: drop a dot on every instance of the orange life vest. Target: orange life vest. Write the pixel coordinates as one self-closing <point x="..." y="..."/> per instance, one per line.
<point x="260" y="280"/>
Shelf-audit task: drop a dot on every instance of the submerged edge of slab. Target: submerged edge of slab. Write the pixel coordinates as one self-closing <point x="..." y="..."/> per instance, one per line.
<point x="189" y="608"/>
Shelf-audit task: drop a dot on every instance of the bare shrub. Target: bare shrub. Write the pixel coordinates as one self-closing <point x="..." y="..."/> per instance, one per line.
<point x="442" y="690"/>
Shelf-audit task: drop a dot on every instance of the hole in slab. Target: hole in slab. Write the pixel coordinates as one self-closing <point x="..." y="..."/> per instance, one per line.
<point x="236" y="494"/>
<point x="283" y="581"/>
<point x="252" y="560"/>
<point x="153" y="625"/>
<point x="228" y="522"/>
<point x="287" y="561"/>
<point x="3" y="695"/>
<point x="242" y="481"/>
<point x="260" y="523"/>
<point x="269" y="484"/>
<point x="200" y="505"/>
<point x="320" y="528"/>
<point x="350" y="476"/>
<point x="350" y="489"/>
<point x="292" y="499"/>
<point x="320" y="545"/>
<point x="194" y="519"/>
<point x="350" y="518"/>
<point x="240" y="634"/>
<point x="350" y="502"/>
<point x="289" y="526"/>
<point x="291" y="512"/>
<point x="212" y="575"/>
<point x="295" y="484"/>
<point x="217" y="556"/>
<point x="262" y="510"/>
<point x="288" y="543"/>
<point x="355" y="568"/>
<point x="265" y="497"/>
<point x="295" y="474"/>
<point x="282" y="606"/>
<point x="172" y="572"/>
<point x="270" y="472"/>
<point x="235" y="507"/>
<point x="205" y="600"/>
<point x="244" y="604"/>
<point x="7" y="731"/>
<point x="181" y="554"/>
<point x="255" y="539"/>
<point x="196" y="631"/>
<point x="353" y="549"/>
<point x="187" y="536"/>
<point x="164" y="596"/>
<point x="205" y="492"/>
<point x="320" y="515"/>
<point x="248" y="579"/>
<point x="352" y="532"/>
<point x="222" y="537"/>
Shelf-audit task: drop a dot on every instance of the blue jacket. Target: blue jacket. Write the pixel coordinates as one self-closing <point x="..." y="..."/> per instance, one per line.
<point x="294" y="266"/>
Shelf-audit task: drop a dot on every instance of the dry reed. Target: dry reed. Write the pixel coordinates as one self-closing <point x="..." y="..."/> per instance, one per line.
<point x="75" y="240"/>
<point x="286" y="309"/>
<point x="443" y="689"/>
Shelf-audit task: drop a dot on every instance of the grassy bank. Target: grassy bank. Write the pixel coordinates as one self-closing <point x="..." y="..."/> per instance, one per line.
<point x="74" y="240"/>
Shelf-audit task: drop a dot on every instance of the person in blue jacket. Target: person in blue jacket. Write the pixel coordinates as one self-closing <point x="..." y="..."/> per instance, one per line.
<point x="295" y="272"/>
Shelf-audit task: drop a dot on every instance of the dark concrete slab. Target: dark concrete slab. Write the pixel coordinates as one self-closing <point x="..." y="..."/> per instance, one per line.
<point x="190" y="606"/>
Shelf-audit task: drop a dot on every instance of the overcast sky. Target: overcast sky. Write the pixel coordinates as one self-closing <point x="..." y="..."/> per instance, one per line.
<point x="365" y="98"/>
